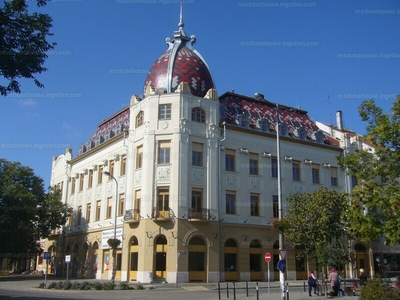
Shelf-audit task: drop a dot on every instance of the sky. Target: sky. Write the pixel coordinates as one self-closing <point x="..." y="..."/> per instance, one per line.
<point x="320" y="55"/>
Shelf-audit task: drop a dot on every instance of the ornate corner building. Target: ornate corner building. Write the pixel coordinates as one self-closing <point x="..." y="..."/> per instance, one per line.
<point x="191" y="187"/>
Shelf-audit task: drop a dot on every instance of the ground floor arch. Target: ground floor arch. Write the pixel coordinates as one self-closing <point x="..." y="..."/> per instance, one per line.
<point x="197" y="260"/>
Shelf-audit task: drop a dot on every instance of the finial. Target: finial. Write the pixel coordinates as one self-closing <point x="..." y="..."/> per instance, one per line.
<point x="181" y="17"/>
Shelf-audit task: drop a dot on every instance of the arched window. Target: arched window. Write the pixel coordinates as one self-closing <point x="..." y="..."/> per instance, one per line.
<point x="244" y="121"/>
<point x="140" y="118"/>
<point x="198" y="115"/>
<point x="264" y="125"/>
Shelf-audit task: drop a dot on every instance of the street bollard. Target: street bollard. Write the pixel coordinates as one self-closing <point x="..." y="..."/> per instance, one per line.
<point x="227" y="290"/>
<point x="304" y="284"/>
<point x="247" y="289"/>
<point x="287" y="291"/>
<point x="234" y="291"/>
<point x="257" y="290"/>
<point x="219" y="290"/>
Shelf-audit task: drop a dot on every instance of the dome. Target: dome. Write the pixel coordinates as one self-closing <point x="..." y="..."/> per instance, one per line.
<point x="180" y="63"/>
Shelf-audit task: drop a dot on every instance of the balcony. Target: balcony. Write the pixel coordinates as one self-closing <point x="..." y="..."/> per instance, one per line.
<point x="132" y="216"/>
<point x="199" y="215"/>
<point x="162" y="215"/>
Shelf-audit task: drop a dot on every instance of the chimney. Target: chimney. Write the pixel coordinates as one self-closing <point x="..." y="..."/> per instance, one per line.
<point x="339" y="120"/>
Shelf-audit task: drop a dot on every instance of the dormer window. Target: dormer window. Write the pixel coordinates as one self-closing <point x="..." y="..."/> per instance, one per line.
<point x="89" y="145"/>
<point x="108" y="135"/>
<point x="319" y="137"/>
<point x="120" y="128"/>
<point x="283" y="129"/>
<point x="198" y="115"/>
<point x="302" y="132"/>
<point x="264" y="125"/>
<point x="82" y="149"/>
<point x="244" y="121"/>
<point x="99" y="140"/>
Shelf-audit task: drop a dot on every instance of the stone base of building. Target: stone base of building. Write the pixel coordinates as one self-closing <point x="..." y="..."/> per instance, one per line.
<point x="4" y="273"/>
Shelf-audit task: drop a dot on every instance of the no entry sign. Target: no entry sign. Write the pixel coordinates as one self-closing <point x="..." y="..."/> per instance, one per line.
<point x="268" y="257"/>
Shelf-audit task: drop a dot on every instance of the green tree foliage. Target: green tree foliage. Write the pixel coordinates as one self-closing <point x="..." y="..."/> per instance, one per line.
<point x="375" y="201"/>
<point x="27" y="212"/>
<point x="23" y="43"/>
<point x="317" y="221"/>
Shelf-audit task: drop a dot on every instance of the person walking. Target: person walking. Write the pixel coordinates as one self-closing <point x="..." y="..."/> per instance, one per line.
<point x="312" y="283"/>
<point x="363" y="278"/>
<point x="334" y="280"/>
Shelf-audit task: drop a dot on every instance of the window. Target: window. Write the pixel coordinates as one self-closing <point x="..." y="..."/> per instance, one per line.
<point x="81" y="177"/>
<point x="230" y="160"/>
<point x="138" y="197"/>
<point x="100" y="175"/>
<point x="296" y="170"/>
<point x="244" y="121"/>
<point x="121" y="205"/>
<point x="79" y="215"/>
<point x="334" y="181"/>
<point x="98" y="209"/>
<point x="109" y="207"/>
<point x="197" y="154"/>
<point x="90" y="181"/>
<point x="354" y="181"/>
<point x="275" y="206"/>
<point x="230" y="202"/>
<point x="123" y="165"/>
<point x="315" y="173"/>
<point x="140" y="118"/>
<point x="70" y="218"/>
<point x="253" y="164"/>
<point x="198" y="115"/>
<point x="255" y="204"/>
<point x="163" y="200"/>
<point x="111" y="169"/>
<point x="73" y="186"/>
<point x="164" y="151"/>
<point x="139" y="157"/>
<point x="197" y="200"/>
<point x="274" y="167"/>
<point x="88" y="211"/>
<point x="165" y="111"/>
<point x="264" y="126"/>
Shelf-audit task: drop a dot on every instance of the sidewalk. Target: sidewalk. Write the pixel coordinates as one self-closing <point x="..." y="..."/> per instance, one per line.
<point x="237" y="290"/>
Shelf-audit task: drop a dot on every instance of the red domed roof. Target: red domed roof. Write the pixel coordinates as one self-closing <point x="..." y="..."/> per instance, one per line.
<point x="187" y="66"/>
<point x="180" y="63"/>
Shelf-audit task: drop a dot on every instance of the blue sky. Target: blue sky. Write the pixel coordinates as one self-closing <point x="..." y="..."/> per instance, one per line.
<point x="322" y="55"/>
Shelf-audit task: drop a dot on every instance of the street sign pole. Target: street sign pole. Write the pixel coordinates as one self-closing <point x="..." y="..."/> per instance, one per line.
<point x="269" y="280"/>
<point x="45" y="274"/>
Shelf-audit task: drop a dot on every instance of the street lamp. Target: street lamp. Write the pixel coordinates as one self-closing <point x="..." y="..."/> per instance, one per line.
<point x="114" y="253"/>
<point x="278" y="158"/>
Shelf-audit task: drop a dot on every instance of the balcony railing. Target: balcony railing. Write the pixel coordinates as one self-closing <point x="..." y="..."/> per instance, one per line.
<point x="202" y="214"/>
<point x="132" y="215"/>
<point x="162" y="214"/>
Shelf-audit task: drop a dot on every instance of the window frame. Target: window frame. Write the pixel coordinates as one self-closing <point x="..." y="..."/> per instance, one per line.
<point x="255" y="204"/>
<point x="197" y="154"/>
<point x="164" y="152"/>
<point x="164" y="111"/>
<point x="253" y="164"/>
<point x="198" y="114"/>
<point x="296" y="170"/>
<point x="230" y="202"/>
<point x="315" y="173"/>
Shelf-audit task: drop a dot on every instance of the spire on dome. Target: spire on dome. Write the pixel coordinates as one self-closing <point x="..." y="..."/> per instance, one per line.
<point x="180" y="31"/>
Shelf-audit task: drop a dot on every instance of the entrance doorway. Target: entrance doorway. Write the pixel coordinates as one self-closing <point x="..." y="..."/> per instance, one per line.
<point x="160" y="264"/>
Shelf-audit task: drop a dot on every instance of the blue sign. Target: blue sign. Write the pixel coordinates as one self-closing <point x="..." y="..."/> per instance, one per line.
<point x="47" y="255"/>
<point x="282" y="265"/>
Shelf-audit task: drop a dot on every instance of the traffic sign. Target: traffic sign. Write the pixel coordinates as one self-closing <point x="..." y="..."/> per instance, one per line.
<point x="282" y="265"/>
<point x="67" y="259"/>
<point x="47" y="255"/>
<point x="283" y="254"/>
<point x="267" y="257"/>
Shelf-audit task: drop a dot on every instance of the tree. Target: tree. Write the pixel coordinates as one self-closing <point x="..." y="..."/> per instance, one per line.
<point x="23" y="44"/>
<point x="317" y="221"/>
<point x="375" y="201"/>
<point x="27" y="213"/>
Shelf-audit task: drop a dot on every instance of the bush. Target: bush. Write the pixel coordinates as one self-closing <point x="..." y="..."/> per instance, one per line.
<point x="42" y="285"/>
<point x="109" y="286"/>
<point x="76" y="286"/>
<point x="85" y="286"/>
<point x="374" y="290"/>
<point x="67" y="285"/>
<point x="124" y="286"/>
<point x="140" y="287"/>
<point x="60" y="285"/>
<point x="98" y="286"/>
<point x="52" y="285"/>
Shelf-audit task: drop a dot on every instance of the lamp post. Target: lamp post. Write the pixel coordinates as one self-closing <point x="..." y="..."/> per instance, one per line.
<point x="114" y="248"/>
<point x="278" y="158"/>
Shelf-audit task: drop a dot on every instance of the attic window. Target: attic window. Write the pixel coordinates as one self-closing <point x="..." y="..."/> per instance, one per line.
<point x="302" y="133"/>
<point x="99" y="140"/>
<point x="82" y="149"/>
<point x="319" y="136"/>
<point x="244" y="121"/>
<point x="283" y="129"/>
<point x="264" y="125"/>
<point x="120" y="128"/>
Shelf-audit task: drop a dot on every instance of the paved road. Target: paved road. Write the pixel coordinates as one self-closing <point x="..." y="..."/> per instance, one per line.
<point x="24" y="287"/>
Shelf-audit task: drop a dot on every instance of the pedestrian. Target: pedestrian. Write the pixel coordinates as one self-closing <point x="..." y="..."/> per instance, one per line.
<point x="363" y="278"/>
<point x="312" y="283"/>
<point x="340" y="280"/>
<point x="333" y="279"/>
